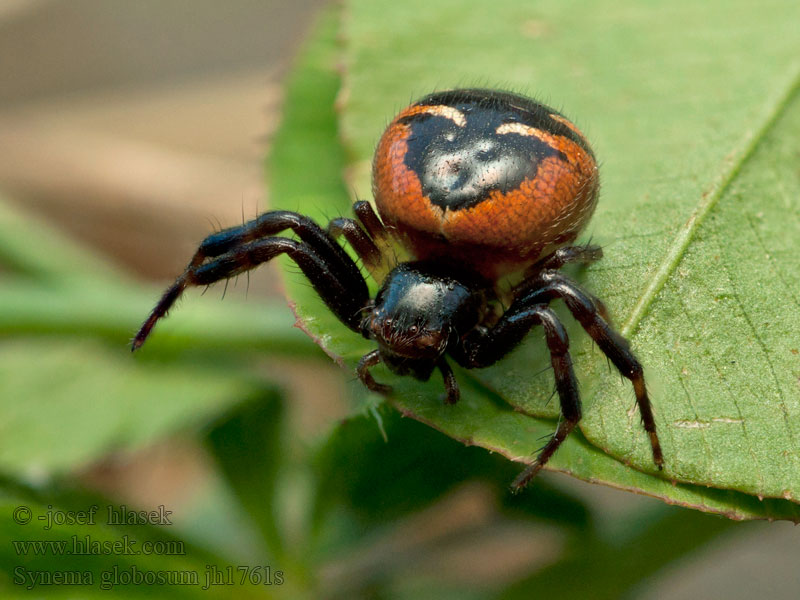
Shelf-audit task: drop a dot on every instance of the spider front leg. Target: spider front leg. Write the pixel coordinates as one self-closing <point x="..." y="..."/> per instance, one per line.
<point x="368" y="237"/>
<point x="550" y="285"/>
<point x="369" y="360"/>
<point x="484" y="348"/>
<point x="332" y="273"/>
<point x="361" y="242"/>
<point x="452" y="394"/>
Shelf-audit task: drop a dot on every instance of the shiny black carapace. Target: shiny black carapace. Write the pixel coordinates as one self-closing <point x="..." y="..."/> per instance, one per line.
<point x="478" y="185"/>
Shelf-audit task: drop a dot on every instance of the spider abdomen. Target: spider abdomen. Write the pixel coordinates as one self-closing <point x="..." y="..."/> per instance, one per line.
<point x="490" y="177"/>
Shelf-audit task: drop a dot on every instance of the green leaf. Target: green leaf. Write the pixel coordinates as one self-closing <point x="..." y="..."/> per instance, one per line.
<point x="682" y="103"/>
<point x="113" y="312"/>
<point x="380" y="479"/>
<point x="84" y="400"/>
<point x="247" y="445"/>
<point x="720" y="326"/>
<point x="306" y="164"/>
<point x="482" y="419"/>
<point x="32" y="248"/>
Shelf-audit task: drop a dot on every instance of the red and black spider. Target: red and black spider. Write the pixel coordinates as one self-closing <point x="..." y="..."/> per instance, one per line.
<point x="476" y="185"/>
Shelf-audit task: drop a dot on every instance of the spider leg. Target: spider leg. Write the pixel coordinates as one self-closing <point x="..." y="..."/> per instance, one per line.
<point x="368" y="237"/>
<point x="585" y="255"/>
<point x="358" y="238"/>
<point x="371" y="222"/>
<point x="452" y="394"/>
<point x="370" y="359"/>
<point x="488" y="347"/>
<point x="550" y="285"/>
<point x="274" y="222"/>
<point x="334" y="275"/>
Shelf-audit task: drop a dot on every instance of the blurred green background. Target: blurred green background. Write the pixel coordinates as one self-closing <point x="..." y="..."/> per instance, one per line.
<point x="128" y="132"/>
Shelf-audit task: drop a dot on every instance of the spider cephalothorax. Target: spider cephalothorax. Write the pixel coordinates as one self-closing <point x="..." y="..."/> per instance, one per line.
<point x="476" y="184"/>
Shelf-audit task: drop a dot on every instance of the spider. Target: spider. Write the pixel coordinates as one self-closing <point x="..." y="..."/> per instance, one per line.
<point x="476" y="185"/>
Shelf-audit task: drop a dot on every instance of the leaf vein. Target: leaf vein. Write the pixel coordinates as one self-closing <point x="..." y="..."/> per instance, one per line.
<point x="686" y="234"/>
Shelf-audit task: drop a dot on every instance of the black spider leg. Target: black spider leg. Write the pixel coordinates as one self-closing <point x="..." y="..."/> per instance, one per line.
<point x="371" y="222"/>
<point x="332" y="273"/>
<point x="452" y="393"/>
<point x="485" y="348"/>
<point x="367" y="235"/>
<point x="550" y="285"/>
<point x="584" y="255"/>
<point x="371" y="359"/>
<point x="361" y="242"/>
